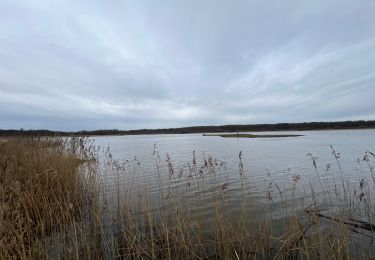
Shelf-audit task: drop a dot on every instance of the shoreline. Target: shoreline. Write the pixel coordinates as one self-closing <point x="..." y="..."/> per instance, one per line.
<point x="53" y="134"/>
<point x="257" y="128"/>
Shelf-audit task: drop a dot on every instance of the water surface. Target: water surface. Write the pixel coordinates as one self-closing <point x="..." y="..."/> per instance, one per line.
<point x="281" y="157"/>
<point x="164" y="166"/>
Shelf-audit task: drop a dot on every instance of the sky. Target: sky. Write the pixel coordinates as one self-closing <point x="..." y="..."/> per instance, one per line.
<point x="74" y="65"/>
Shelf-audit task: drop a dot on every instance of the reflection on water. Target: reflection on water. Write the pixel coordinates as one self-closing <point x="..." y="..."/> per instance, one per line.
<point x="252" y="178"/>
<point x="280" y="157"/>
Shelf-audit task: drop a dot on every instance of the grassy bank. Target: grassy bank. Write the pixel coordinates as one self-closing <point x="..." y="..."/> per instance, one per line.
<point x="65" y="200"/>
<point x="40" y="193"/>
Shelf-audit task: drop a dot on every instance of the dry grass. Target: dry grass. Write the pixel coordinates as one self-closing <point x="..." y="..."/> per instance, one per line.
<point x="39" y="192"/>
<point x="62" y="199"/>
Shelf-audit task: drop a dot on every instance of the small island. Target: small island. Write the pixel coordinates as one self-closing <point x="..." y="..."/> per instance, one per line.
<point x="250" y="135"/>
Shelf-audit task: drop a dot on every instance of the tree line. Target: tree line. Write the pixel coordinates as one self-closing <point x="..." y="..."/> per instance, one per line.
<point x="201" y="129"/>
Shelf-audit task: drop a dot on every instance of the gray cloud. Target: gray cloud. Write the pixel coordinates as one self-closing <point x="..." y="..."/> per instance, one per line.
<point x="73" y="65"/>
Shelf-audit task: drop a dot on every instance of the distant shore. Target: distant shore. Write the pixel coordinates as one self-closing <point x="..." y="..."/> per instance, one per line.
<point x="305" y="126"/>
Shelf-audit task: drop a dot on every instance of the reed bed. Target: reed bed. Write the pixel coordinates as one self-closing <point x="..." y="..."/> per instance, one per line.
<point x="68" y="199"/>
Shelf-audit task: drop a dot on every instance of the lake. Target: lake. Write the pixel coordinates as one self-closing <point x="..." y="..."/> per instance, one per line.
<point x="281" y="176"/>
<point x="280" y="157"/>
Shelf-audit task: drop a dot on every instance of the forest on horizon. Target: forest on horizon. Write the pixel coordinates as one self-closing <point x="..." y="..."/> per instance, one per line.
<point x="360" y="124"/>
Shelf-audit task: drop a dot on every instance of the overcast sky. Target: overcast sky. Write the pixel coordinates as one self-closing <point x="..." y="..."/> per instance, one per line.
<point x="71" y="65"/>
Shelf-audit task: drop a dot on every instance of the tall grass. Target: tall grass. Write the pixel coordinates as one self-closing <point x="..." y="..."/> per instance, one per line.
<point x="40" y="193"/>
<point x="65" y="199"/>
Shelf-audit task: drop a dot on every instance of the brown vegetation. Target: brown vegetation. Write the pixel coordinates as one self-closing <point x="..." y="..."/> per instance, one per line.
<point x="60" y="200"/>
<point x="40" y="193"/>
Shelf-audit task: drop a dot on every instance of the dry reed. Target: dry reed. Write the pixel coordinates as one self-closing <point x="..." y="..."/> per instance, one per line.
<point x="64" y="199"/>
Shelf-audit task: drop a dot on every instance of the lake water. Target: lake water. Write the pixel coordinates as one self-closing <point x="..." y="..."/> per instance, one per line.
<point x="280" y="157"/>
<point x="268" y="167"/>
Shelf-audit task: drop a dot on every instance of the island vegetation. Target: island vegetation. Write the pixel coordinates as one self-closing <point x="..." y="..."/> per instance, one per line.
<point x="238" y="135"/>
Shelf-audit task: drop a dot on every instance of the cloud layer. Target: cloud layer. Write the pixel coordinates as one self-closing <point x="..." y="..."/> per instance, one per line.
<point x="71" y="65"/>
